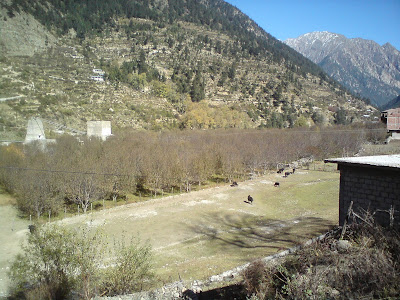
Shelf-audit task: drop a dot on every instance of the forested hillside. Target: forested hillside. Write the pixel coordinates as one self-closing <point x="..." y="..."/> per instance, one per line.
<point x="168" y="64"/>
<point x="90" y="17"/>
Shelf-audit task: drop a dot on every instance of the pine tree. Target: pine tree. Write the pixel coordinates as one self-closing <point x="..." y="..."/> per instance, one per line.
<point x="197" y="92"/>
<point x="142" y="65"/>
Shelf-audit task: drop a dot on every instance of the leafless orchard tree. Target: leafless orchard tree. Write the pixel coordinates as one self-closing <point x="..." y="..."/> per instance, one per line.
<point x="85" y="170"/>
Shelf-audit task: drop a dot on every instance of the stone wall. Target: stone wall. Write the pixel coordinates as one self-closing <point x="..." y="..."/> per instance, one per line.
<point x="373" y="188"/>
<point x="100" y="129"/>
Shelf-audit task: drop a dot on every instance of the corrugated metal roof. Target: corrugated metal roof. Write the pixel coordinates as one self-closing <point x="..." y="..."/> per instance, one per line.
<point x="390" y="161"/>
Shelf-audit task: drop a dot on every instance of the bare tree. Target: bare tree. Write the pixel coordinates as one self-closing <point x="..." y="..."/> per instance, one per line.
<point x="83" y="189"/>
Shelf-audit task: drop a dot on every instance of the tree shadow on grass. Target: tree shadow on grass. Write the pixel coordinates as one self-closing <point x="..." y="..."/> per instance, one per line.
<point x="244" y="231"/>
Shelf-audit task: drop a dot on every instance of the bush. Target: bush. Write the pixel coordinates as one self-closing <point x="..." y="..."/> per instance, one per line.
<point x="368" y="269"/>
<point x="130" y="270"/>
<point x="257" y="280"/>
<point x="45" y="268"/>
<point x="57" y="261"/>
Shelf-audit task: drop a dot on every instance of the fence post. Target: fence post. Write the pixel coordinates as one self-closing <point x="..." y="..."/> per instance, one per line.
<point x="345" y="220"/>
<point x="391" y="216"/>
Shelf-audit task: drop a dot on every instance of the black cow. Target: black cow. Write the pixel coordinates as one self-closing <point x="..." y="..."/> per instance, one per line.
<point x="234" y="184"/>
<point x="276" y="184"/>
<point x="250" y="199"/>
<point x="287" y="174"/>
<point x="32" y="228"/>
<point x="280" y="170"/>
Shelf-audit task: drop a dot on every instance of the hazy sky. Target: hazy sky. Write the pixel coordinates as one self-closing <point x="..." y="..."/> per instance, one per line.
<point x="377" y="20"/>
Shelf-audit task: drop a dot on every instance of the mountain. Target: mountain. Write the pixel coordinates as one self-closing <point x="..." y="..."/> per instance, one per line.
<point x="167" y="64"/>
<point x="363" y="66"/>
<point x="395" y="103"/>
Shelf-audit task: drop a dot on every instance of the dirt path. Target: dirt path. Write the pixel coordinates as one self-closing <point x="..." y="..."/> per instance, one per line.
<point x="12" y="232"/>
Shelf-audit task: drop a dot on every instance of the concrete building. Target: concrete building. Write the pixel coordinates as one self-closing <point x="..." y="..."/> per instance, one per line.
<point x="97" y="78"/>
<point x="100" y="129"/>
<point x="35" y="130"/>
<point x="99" y="75"/>
<point x="391" y="118"/>
<point x="99" y="71"/>
<point x="372" y="183"/>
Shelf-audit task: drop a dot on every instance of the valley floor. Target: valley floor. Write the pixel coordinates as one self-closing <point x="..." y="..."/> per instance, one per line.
<point x="199" y="234"/>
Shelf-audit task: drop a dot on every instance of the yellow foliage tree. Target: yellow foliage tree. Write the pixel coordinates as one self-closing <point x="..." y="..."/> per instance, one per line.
<point x="202" y="116"/>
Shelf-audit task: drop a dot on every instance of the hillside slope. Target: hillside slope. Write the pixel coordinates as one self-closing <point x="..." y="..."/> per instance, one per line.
<point x="392" y="104"/>
<point x="22" y="35"/>
<point x="363" y="66"/>
<point x="206" y="66"/>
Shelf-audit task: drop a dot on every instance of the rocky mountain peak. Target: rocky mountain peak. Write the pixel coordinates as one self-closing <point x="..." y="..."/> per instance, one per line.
<point x="365" y="67"/>
<point x="389" y="46"/>
<point x="317" y="45"/>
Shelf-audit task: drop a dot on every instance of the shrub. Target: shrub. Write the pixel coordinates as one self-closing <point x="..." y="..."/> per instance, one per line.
<point x="368" y="269"/>
<point x="131" y="268"/>
<point x="257" y="280"/>
<point x="57" y="261"/>
<point x="45" y="268"/>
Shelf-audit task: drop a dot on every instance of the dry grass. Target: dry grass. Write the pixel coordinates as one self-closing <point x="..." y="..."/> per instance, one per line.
<point x="199" y="234"/>
<point x="203" y="233"/>
<point x="381" y="149"/>
<point x="367" y="268"/>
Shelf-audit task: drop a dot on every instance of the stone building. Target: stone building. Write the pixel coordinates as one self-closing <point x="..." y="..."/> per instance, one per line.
<point x="100" y="129"/>
<point x="372" y="183"/>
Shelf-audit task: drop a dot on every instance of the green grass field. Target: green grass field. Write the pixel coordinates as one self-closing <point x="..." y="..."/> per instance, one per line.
<point x="199" y="234"/>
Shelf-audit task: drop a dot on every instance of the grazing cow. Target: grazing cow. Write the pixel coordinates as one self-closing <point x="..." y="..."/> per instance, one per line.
<point x="287" y="174"/>
<point x="276" y="184"/>
<point x="234" y="184"/>
<point x="280" y="170"/>
<point x="250" y="199"/>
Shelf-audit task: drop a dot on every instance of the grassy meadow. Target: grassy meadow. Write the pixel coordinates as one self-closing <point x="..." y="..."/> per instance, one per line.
<point x="202" y="233"/>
